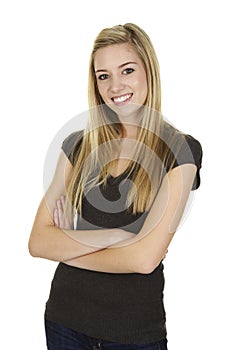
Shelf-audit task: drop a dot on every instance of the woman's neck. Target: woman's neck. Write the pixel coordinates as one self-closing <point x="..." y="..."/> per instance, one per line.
<point x="130" y="131"/>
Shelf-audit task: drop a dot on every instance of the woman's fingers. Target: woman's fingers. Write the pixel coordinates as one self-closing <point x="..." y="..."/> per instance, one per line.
<point x="60" y="219"/>
<point x="60" y="211"/>
<point x="59" y="206"/>
<point x="63" y="201"/>
<point x="56" y="217"/>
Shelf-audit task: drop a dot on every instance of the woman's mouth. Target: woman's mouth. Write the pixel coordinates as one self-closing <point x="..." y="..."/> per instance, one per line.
<point x="121" y="100"/>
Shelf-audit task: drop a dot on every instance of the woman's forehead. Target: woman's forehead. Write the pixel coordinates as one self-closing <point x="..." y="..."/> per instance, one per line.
<point x="115" y="55"/>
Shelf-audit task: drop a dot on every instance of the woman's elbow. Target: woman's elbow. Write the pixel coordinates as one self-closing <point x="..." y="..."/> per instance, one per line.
<point x="36" y="246"/>
<point x="146" y="266"/>
<point x="33" y="247"/>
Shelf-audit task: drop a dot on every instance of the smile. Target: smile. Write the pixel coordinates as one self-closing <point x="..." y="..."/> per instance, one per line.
<point x="119" y="100"/>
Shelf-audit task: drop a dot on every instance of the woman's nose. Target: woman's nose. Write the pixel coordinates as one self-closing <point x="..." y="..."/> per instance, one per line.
<point x="116" y="84"/>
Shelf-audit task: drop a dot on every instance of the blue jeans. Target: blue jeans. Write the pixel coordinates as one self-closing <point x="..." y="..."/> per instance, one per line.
<point x="61" y="338"/>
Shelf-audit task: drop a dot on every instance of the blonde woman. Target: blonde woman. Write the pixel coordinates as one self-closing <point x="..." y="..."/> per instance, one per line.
<point x="125" y="180"/>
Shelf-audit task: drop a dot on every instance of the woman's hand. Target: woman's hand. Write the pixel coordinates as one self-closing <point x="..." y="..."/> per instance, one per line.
<point x="60" y="219"/>
<point x="100" y="239"/>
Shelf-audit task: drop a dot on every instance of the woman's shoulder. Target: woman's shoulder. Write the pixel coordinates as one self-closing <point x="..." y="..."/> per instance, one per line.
<point x="177" y="138"/>
<point x="72" y="143"/>
<point x="185" y="149"/>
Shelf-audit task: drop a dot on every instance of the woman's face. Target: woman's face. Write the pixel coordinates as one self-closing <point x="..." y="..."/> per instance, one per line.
<point x="121" y="78"/>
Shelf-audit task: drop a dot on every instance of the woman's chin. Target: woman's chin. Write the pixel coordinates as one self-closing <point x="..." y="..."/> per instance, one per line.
<point x="126" y="111"/>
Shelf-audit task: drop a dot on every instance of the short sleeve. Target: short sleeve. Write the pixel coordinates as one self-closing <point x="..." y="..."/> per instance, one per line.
<point x="71" y="144"/>
<point x="190" y="153"/>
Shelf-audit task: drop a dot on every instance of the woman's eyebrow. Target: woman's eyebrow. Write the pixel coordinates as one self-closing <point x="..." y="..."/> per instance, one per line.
<point x="120" y="66"/>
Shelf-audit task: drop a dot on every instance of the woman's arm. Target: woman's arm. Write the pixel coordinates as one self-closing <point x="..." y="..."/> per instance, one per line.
<point x="49" y="241"/>
<point x="143" y="253"/>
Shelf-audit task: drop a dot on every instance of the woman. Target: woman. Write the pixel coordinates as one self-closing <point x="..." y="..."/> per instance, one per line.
<point x="126" y="177"/>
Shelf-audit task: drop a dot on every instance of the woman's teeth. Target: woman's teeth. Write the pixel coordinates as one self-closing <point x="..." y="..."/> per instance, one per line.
<point x="121" y="98"/>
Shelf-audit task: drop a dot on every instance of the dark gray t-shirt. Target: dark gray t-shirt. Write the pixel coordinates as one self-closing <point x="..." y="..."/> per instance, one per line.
<point x="125" y="308"/>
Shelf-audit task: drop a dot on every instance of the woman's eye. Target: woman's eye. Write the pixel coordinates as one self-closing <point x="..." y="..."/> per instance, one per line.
<point x="128" y="71"/>
<point x="103" y="76"/>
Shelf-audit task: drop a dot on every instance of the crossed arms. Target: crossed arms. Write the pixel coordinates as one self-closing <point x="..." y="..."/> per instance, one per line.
<point x="110" y="250"/>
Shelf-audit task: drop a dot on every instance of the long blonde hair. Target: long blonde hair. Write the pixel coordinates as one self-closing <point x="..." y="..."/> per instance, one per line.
<point x="105" y="130"/>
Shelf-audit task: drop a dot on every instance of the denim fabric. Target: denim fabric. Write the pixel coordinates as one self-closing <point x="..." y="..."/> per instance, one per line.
<point x="61" y="338"/>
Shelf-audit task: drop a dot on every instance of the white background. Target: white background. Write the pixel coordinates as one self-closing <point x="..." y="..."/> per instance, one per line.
<point x="45" y="47"/>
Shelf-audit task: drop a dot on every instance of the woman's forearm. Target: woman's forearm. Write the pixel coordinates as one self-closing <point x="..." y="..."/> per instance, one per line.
<point x="53" y="243"/>
<point x="111" y="260"/>
<point x="102" y="238"/>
